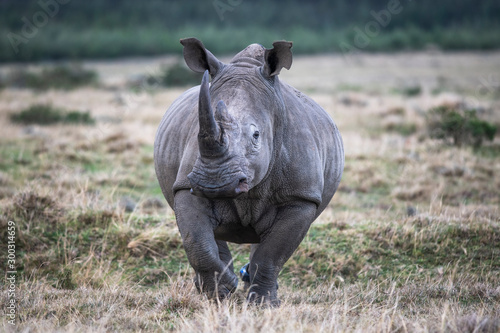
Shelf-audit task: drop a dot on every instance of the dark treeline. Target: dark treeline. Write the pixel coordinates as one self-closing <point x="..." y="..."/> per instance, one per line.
<point x="54" y="29"/>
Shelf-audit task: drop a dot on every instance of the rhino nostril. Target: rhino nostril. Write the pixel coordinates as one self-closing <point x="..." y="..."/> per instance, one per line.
<point x="242" y="186"/>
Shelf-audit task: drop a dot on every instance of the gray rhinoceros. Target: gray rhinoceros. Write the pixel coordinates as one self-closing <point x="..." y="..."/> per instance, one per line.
<point x="245" y="159"/>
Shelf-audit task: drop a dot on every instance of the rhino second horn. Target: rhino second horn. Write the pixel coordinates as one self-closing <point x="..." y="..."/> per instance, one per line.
<point x="209" y="135"/>
<point x="222" y="114"/>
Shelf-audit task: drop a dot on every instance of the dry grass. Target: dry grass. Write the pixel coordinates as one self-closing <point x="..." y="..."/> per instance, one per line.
<point x="361" y="307"/>
<point x="410" y="243"/>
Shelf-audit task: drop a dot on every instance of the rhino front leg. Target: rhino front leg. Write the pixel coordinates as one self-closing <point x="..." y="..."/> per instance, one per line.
<point x="278" y="243"/>
<point x="209" y="258"/>
<point x="246" y="284"/>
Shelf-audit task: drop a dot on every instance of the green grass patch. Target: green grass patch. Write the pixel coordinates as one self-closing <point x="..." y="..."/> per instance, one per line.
<point x="405" y="129"/>
<point x="416" y="248"/>
<point x="489" y="151"/>
<point x="409" y="91"/>
<point x="349" y="87"/>
<point x="148" y="250"/>
<point x="46" y="114"/>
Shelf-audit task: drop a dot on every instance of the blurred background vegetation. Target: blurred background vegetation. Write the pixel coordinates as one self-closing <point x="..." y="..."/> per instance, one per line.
<point x="81" y="29"/>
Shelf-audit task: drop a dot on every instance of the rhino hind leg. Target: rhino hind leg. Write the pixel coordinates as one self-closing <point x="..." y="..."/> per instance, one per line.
<point x="268" y="258"/>
<point x="225" y="255"/>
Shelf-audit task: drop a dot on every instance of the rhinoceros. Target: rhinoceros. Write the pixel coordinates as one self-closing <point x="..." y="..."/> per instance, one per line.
<point x="245" y="158"/>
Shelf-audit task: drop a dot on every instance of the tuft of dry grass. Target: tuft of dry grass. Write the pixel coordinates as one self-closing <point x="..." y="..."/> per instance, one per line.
<point x="371" y="307"/>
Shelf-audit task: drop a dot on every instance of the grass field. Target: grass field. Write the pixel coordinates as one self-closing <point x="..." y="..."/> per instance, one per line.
<point x="410" y="242"/>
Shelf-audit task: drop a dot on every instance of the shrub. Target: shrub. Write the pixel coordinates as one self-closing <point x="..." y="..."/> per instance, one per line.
<point x="176" y="75"/>
<point x="45" y="114"/>
<point x="58" y="77"/>
<point x="66" y="77"/>
<point x="21" y="78"/>
<point x="179" y="75"/>
<point x="79" y="117"/>
<point x="38" y="114"/>
<point x="462" y="127"/>
<point x="410" y="90"/>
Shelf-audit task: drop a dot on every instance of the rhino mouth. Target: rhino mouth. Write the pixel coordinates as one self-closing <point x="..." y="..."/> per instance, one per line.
<point x="210" y="187"/>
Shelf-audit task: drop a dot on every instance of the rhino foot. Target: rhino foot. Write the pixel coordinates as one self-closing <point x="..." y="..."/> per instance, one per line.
<point x="271" y="301"/>
<point x="245" y="277"/>
<point x="216" y="286"/>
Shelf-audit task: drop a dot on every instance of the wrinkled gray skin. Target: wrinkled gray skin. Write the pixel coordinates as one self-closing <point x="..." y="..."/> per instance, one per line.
<point x="245" y="159"/>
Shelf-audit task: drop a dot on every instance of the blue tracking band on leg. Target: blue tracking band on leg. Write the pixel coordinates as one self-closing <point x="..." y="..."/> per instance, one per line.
<point x="245" y="276"/>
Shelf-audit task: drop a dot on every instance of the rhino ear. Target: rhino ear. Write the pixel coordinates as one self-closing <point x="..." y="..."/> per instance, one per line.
<point x="198" y="58"/>
<point x="276" y="58"/>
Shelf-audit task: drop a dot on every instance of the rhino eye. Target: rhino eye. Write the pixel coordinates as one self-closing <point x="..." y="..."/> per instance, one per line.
<point x="256" y="135"/>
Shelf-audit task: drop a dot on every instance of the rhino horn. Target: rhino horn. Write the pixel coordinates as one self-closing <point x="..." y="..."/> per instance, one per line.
<point x="209" y="136"/>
